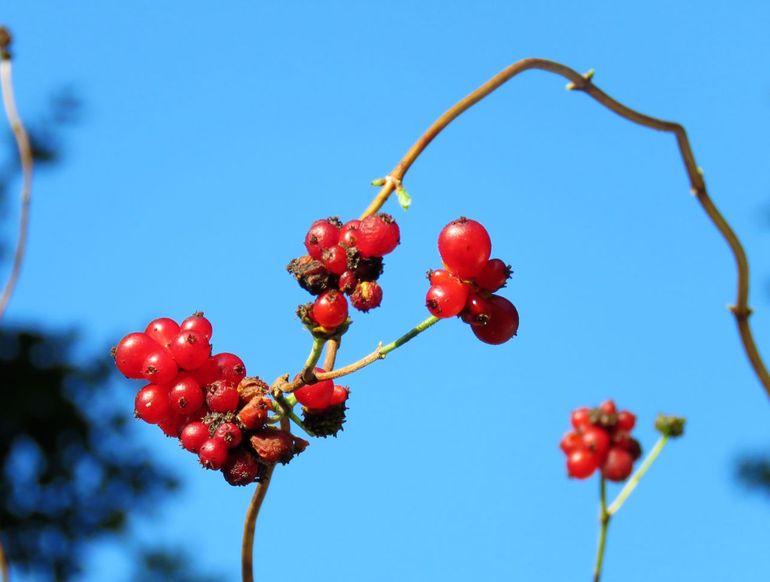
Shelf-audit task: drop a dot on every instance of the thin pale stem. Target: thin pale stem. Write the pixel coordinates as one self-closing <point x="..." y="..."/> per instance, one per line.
<point x="247" y="544"/>
<point x="578" y="82"/>
<point x="25" y="157"/>
<point x="604" y="523"/>
<point x="632" y="483"/>
<point x="312" y="359"/>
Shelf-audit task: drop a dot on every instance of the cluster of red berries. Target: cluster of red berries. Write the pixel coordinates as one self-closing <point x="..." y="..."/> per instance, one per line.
<point x="204" y="400"/>
<point x="601" y="440"/>
<point x="343" y="259"/>
<point x="466" y="285"/>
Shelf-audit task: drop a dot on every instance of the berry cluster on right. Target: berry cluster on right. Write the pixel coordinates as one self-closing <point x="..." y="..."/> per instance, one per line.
<point x="466" y="285"/>
<point x="602" y="440"/>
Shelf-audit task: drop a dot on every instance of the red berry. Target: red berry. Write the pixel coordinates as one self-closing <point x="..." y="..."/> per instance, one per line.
<point x="626" y="420"/>
<point x="618" y="465"/>
<point x="230" y="368"/>
<point x="330" y="309"/>
<point x="209" y="372"/>
<point x="230" y="433"/>
<point x="581" y="464"/>
<point x="315" y="396"/>
<point x="339" y="395"/>
<point x="323" y="234"/>
<point x="222" y="397"/>
<point x="151" y="404"/>
<point x="493" y="276"/>
<point x="159" y="367"/>
<point x="131" y="353"/>
<point x="477" y="310"/>
<point x="163" y="330"/>
<point x="625" y="441"/>
<point x="186" y="395"/>
<point x="377" y="235"/>
<point x="348" y="233"/>
<point x="597" y="441"/>
<point x="348" y="282"/>
<point x="570" y="442"/>
<point x="172" y="425"/>
<point x="464" y="246"/>
<point x="367" y="295"/>
<point x="447" y="299"/>
<point x="190" y="349"/>
<point x="196" y="322"/>
<point x="241" y="467"/>
<point x="581" y="418"/>
<point x="273" y="445"/>
<point x="438" y="276"/>
<point x="335" y="259"/>
<point x="608" y="407"/>
<point x="194" y="434"/>
<point x="254" y="414"/>
<point x="503" y="322"/>
<point x="213" y="453"/>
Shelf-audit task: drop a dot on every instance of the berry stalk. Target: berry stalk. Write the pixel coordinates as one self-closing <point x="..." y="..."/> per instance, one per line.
<point x="604" y="522"/>
<point x="631" y="484"/>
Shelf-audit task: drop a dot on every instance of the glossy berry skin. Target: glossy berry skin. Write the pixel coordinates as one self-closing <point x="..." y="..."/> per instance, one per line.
<point x="323" y="234"/>
<point x="377" y="235"/>
<point x="131" y="353"/>
<point x="172" y="425"/>
<point x="330" y="309"/>
<point x="199" y="324"/>
<point x="335" y="259"/>
<point x="163" y="330"/>
<point x="626" y="420"/>
<point x="464" y="246"/>
<point x="222" y="397"/>
<point x="213" y="453"/>
<point x="367" y="295"/>
<point x="493" y="276"/>
<point x="348" y="282"/>
<point x="618" y="465"/>
<point x="477" y="310"/>
<point x="503" y="322"/>
<point x="447" y="299"/>
<point x="194" y="434"/>
<point x="571" y="442"/>
<point x="230" y="368"/>
<point x="160" y="367"/>
<point x="190" y="350"/>
<point x="439" y="276"/>
<point x="348" y="233"/>
<point x="151" y="404"/>
<point x="339" y="395"/>
<point x="597" y="441"/>
<point x="209" y="372"/>
<point x="315" y="396"/>
<point x="581" y="464"/>
<point x="185" y="395"/>
<point x="581" y="418"/>
<point x="230" y="433"/>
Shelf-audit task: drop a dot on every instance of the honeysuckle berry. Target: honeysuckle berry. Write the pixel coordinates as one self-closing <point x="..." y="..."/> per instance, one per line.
<point x="503" y="322"/>
<point x="323" y="234"/>
<point x="185" y="395"/>
<point x="447" y="299"/>
<point x="330" y="309"/>
<point x="581" y="418"/>
<point x="160" y="367"/>
<point x="316" y="396"/>
<point x="439" y="276"/>
<point x="193" y="435"/>
<point x="367" y="295"/>
<point x="335" y="259"/>
<point x="231" y="368"/>
<point x="618" y="465"/>
<point x="581" y="464"/>
<point x="477" y="310"/>
<point x="571" y="441"/>
<point x="152" y="404"/>
<point x="464" y="246"/>
<point x="131" y="353"/>
<point x="213" y="453"/>
<point x="597" y="441"/>
<point x="493" y="276"/>
<point x="348" y="282"/>
<point x="198" y="323"/>
<point x="622" y="439"/>
<point x="222" y="396"/>
<point x="377" y="235"/>
<point x="626" y="420"/>
<point x="190" y="349"/>
<point x="348" y="233"/>
<point x="230" y="433"/>
<point x="163" y="330"/>
<point x="241" y="467"/>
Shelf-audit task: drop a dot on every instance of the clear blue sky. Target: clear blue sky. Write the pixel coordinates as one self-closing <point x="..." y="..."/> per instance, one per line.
<point x="215" y="135"/>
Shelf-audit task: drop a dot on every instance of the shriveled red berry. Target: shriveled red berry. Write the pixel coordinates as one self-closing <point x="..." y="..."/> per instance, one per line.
<point x="131" y="353"/>
<point x="241" y="467"/>
<point x="348" y="282"/>
<point x="597" y="441"/>
<point x="581" y="464"/>
<point x="273" y="445"/>
<point x="618" y="465"/>
<point x="335" y="259"/>
<point x="339" y="395"/>
<point x="230" y="433"/>
<point x="477" y="310"/>
<point x="464" y="246"/>
<point x="447" y="299"/>
<point x="367" y="295"/>
<point x="348" y="233"/>
<point x="316" y="396"/>
<point x="163" y="330"/>
<point x="626" y="420"/>
<point x="151" y="404"/>
<point x="190" y="349"/>
<point x="222" y="397"/>
<point x="198" y="323"/>
<point x="323" y="234"/>
<point x="377" y="235"/>
<point x="213" y="453"/>
<point x="160" y="367"/>
<point x="231" y="368"/>
<point x="186" y="395"/>
<point x="570" y="442"/>
<point x="581" y="418"/>
<point x="503" y="322"/>
<point x="254" y="413"/>
<point x="194" y="434"/>
<point x="494" y="275"/>
<point x="330" y="309"/>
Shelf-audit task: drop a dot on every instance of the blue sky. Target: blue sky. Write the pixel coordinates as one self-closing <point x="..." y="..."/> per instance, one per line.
<point x="214" y="137"/>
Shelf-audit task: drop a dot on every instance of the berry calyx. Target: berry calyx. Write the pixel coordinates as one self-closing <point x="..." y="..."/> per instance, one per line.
<point x="464" y="246"/>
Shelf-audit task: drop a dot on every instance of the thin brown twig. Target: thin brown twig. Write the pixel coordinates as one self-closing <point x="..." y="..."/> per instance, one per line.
<point x="332" y="347"/>
<point x="247" y="544"/>
<point x="578" y="82"/>
<point x="25" y="156"/>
